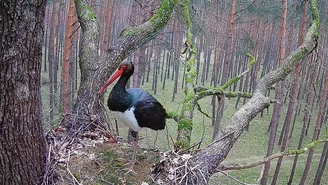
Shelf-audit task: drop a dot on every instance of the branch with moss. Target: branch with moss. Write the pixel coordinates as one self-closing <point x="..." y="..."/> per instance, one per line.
<point x="130" y="40"/>
<point x="207" y="91"/>
<point x="270" y="158"/>
<point x="194" y="94"/>
<point x="237" y="78"/>
<point x="202" y="92"/>
<point x="173" y="115"/>
<point x="185" y="123"/>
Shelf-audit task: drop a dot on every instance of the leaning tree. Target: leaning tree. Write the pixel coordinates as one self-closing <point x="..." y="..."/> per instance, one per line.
<point x="96" y="68"/>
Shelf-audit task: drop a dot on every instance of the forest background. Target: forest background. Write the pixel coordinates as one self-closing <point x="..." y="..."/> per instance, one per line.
<point x="224" y="31"/>
<point x="244" y="39"/>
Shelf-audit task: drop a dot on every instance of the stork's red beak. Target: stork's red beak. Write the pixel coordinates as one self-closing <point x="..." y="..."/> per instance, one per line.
<point x="117" y="74"/>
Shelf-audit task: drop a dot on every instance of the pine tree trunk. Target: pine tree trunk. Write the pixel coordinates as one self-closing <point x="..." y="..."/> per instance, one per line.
<point x="293" y="93"/>
<point x="178" y="42"/>
<point x="45" y="38"/>
<point x="322" y="164"/>
<point x="22" y="144"/>
<point x="59" y="43"/>
<point x="226" y="66"/>
<point x="65" y="74"/>
<point x="278" y="106"/>
<point x="317" y="127"/>
<point x="200" y="51"/>
<point x="157" y="63"/>
<point x="51" y="60"/>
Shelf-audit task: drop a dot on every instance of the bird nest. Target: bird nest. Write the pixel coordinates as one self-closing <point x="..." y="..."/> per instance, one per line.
<point x="88" y="157"/>
<point x="177" y="168"/>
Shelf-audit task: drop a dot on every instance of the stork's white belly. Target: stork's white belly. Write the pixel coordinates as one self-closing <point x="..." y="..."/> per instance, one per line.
<point x="128" y="118"/>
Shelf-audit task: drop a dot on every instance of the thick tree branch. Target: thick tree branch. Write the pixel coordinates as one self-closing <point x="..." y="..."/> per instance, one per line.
<point x="132" y="38"/>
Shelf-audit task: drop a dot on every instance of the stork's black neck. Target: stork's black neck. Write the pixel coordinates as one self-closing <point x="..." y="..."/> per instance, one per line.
<point x="119" y="98"/>
<point x="125" y="76"/>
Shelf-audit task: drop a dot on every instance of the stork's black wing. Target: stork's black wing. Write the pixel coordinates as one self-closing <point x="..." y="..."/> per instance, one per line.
<point x="148" y="111"/>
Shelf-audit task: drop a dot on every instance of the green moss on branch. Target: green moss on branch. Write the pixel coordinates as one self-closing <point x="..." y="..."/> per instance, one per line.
<point x="252" y="61"/>
<point x="86" y="10"/>
<point x="185" y="124"/>
<point x="237" y="78"/>
<point x="209" y="91"/>
<point x="308" y="147"/>
<point x="173" y="115"/>
<point x="164" y="13"/>
<point x="156" y="22"/>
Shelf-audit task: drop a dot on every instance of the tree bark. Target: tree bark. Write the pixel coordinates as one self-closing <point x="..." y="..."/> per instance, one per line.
<point x="45" y="38"/>
<point x="215" y="72"/>
<point x="65" y="74"/>
<point x="108" y="22"/>
<point x="22" y="144"/>
<point x="51" y="60"/>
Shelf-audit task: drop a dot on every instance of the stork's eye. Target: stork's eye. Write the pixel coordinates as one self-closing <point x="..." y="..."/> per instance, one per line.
<point x="122" y="68"/>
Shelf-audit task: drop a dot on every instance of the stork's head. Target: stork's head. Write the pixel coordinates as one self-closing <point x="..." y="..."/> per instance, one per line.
<point x="126" y="68"/>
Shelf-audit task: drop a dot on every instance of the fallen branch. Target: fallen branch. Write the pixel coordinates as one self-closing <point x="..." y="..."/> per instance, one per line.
<point x="69" y="171"/>
<point x="267" y="159"/>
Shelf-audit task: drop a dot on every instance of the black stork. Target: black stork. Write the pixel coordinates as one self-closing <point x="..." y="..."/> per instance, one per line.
<point x="134" y="107"/>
